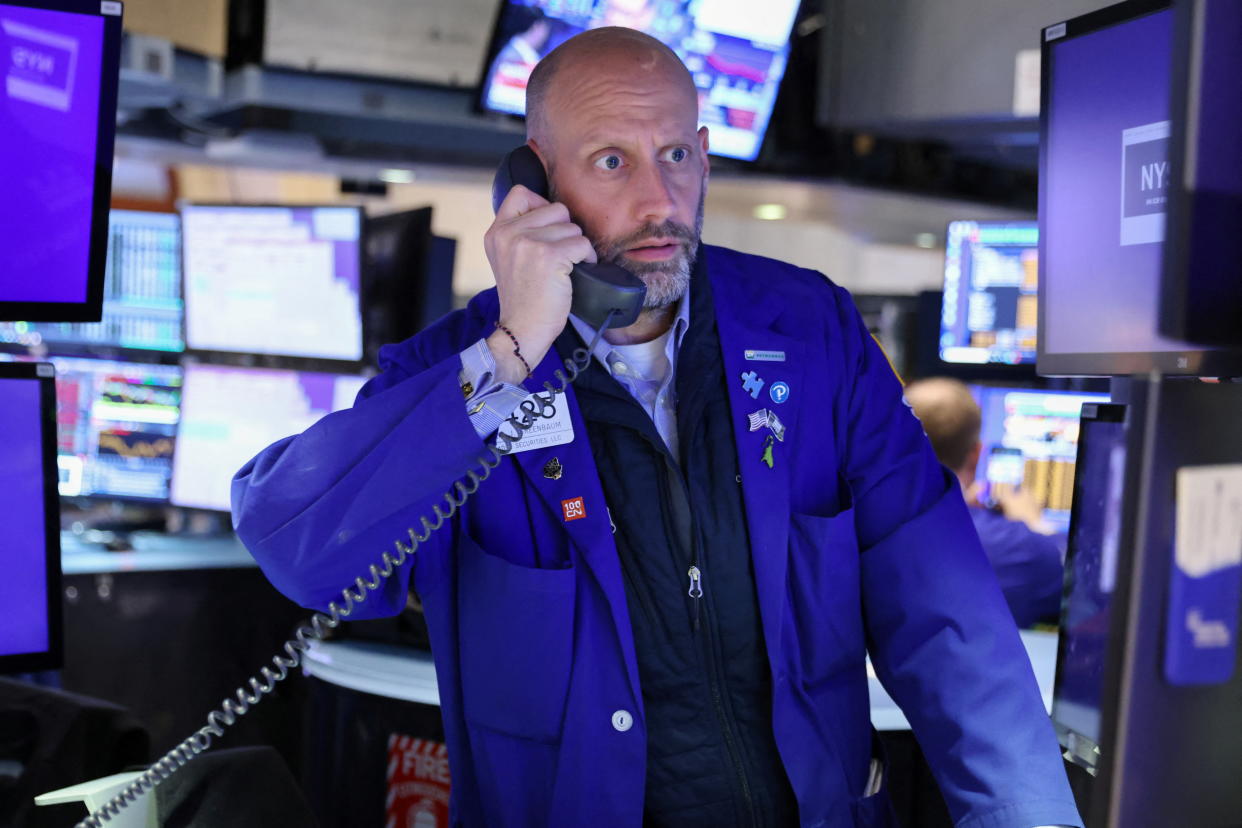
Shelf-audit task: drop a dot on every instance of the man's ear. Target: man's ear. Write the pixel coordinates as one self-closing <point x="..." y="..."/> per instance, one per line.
<point x="703" y="142"/>
<point x="972" y="460"/>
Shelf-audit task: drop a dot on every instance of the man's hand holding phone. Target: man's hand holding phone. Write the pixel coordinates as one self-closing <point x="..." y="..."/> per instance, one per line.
<point x="532" y="246"/>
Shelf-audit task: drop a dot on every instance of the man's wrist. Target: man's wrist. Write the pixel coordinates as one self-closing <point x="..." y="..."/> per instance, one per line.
<point x="509" y="368"/>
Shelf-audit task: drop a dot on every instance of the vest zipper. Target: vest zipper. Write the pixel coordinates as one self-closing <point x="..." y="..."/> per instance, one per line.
<point x="695" y="592"/>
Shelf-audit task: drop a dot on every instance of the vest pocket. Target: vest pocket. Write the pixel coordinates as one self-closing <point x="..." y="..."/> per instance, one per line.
<point x="516" y="643"/>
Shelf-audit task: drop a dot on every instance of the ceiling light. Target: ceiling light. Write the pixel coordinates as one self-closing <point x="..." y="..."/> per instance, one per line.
<point x="770" y="212"/>
<point x="927" y="241"/>
<point x="397" y="176"/>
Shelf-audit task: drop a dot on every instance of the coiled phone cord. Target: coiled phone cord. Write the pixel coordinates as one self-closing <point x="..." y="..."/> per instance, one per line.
<point x="230" y="711"/>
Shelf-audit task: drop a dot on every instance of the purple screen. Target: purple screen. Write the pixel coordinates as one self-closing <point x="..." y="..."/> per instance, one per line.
<point x="1107" y="177"/>
<point x="49" y="110"/>
<point x="23" y="589"/>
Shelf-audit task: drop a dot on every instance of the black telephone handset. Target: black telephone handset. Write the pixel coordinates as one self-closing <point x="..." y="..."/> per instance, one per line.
<point x="598" y="288"/>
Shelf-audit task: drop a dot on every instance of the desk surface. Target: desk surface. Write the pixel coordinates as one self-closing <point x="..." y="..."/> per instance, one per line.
<point x="400" y="673"/>
<point x="153" y="551"/>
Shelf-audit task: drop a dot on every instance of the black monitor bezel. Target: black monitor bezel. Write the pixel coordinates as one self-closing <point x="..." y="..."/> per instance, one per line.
<point x="1111" y="413"/>
<point x="91" y="308"/>
<point x="1191" y="362"/>
<point x="254" y="359"/>
<point x="980" y="370"/>
<point x="53" y="657"/>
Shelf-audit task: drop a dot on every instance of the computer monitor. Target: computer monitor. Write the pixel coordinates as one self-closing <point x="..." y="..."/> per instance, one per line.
<point x="990" y="300"/>
<point x="1030" y="440"/>
<point x="283" y="281"/>
<point x="1090" y="580"/>
<point x="1104" y="183"/>
<point x="230" y="414"/>
<point x="736" y="57"/>
<point x="30" y="636"/>
<point x="60" y="61"/>
<point x="408" y="279"/>
<point x="1202" y="281"/>
<point x="142" y="293"/>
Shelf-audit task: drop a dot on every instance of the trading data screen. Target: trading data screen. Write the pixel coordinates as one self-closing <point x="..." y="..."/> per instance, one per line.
<point x="24" y="587"/>
<point x="1091" y="574"/>
<point x="231" y="414"/>
<point x="116" y="427"/>
<point x="1030" y="440"/>
<point x="142" y="291"/>
<point x="273" y="280"/>
<point x="990" y="292"/>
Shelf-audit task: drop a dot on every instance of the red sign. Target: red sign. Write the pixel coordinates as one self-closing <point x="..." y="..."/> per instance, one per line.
<point x="573" y="509"/>
<point x="418" y="783"/>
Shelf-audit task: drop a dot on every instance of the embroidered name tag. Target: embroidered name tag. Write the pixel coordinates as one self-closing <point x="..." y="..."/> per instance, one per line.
<point x="555" y="430"/>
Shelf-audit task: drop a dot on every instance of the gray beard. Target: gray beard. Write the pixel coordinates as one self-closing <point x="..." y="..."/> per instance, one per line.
<point x="667" y="281"/>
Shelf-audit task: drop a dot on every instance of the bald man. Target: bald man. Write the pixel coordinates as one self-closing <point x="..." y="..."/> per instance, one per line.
<point x="658" y="612"/>
<point x="1026" y="559"/>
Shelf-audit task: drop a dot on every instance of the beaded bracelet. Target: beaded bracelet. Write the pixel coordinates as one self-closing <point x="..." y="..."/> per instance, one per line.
<point x="517" y="349"/>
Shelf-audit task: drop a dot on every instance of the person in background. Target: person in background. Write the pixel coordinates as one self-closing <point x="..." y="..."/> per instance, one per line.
<point x="1026" y="558"/>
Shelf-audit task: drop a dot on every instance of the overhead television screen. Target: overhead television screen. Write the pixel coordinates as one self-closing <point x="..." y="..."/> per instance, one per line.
<point x="59" y="68"/>
<point x="735" y="52"/>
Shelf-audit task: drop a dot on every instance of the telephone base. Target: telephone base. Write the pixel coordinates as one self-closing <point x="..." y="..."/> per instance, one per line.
<point x="96" y="793"/>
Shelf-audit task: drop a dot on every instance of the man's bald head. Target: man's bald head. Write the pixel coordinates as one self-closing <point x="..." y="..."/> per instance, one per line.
<point x="611" y="49"/>
<point x="950" y="416"/>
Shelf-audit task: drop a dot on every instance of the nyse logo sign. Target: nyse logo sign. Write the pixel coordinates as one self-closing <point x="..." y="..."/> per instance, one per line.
<point x="38" y="65"/>
<point x="1145" y="178"/>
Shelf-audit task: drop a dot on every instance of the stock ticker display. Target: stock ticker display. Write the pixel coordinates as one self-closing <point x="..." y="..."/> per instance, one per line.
<point x="1030" y="442"/>
<point x="991" y="284"/>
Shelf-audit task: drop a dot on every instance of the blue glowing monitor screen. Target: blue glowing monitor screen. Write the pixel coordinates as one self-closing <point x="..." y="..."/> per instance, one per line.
<point x="142" y="292"/>
<point x="58" y="78"/>
<point x="273" y="280"/>
<point x="1030" y="440"/>
<point x="24" y="588"/>
<point x="230" y="414"/>
<point x="1090" y="580"/>
<point x="1104" y="182"/>
<point x="990" y="309"/>
<point x="736" y="56"/>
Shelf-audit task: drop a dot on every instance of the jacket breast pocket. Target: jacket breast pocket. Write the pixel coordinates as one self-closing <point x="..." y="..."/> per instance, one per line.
<point x="825" y="595"/>
<point x="515" y="642"/>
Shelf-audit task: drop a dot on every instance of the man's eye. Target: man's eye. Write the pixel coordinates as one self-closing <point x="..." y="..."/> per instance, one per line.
<point x="677" y="154"/>
<point x="609" y="162"/>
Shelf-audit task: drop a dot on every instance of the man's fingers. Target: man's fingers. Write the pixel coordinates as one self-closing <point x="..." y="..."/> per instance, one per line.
<point x="519" y="202"/>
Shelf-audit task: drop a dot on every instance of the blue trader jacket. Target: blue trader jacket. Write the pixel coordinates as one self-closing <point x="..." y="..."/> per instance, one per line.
<point x="860" y="541"/>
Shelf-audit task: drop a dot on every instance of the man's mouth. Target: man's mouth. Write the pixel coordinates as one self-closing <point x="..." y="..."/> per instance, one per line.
<point x="654" y="250"/>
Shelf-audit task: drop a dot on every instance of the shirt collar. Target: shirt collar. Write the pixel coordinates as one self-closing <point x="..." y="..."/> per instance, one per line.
<point x="604" y="349"/>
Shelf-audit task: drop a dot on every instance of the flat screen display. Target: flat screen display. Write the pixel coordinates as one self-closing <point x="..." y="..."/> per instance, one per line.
<point x="284" y="281"/>
<point x="1030" y="441"/>
<point x="230" y="414"/>
<point x="1090" y="580"/>
<point x="991" y="278"/>
<point x="142" y="292"/>
<point x="1105" y="178"/>
<point x="58" y="84"/>
<point x="736" y="56"/>
<point x="30" y="588"/>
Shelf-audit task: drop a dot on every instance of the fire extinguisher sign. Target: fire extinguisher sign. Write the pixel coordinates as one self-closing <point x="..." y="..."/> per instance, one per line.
<point x="418" y="783"/>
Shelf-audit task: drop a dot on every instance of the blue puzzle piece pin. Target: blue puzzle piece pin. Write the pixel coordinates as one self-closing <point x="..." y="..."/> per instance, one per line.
<point x="751" y="384"/>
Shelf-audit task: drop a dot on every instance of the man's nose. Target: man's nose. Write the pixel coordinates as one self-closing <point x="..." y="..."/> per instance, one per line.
<point x="654" y="202"/>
